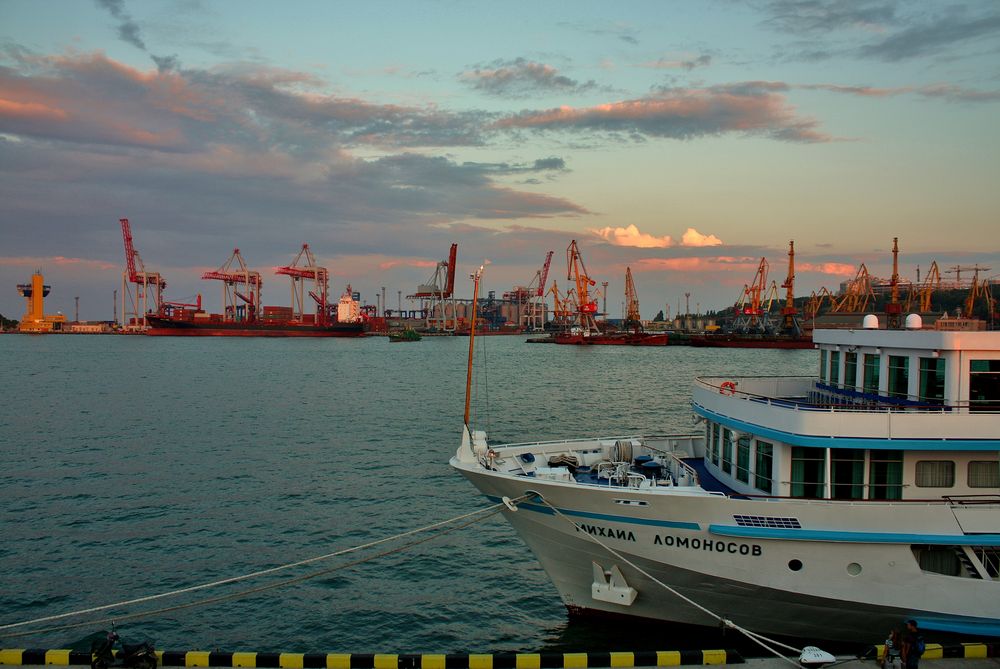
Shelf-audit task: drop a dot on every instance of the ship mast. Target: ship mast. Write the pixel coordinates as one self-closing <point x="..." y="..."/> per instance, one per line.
<point x="472" y="338"/>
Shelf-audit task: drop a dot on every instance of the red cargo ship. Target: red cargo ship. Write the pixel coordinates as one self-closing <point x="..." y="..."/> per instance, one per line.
<point x="213" y="325"/>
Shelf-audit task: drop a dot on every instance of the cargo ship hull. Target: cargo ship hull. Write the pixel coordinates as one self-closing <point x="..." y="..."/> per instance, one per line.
<point x="750" y="341"/>
<point x="166" y="327"/>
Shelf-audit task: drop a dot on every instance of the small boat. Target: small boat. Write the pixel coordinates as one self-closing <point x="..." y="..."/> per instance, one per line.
<point x="831" y="507"/>
<point x="408" y="334"/>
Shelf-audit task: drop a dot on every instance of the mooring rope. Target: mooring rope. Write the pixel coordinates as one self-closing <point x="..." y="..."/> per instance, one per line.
<point x="759" y="639"/>
<point x="470" y="518"/>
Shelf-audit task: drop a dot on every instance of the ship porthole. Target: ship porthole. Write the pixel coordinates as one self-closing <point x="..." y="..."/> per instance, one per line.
<point x="854" y="569"/>
<point x="795" y="565"/>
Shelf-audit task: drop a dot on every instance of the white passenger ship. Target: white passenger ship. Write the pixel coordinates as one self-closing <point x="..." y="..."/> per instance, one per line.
<point x="826" y="508"/>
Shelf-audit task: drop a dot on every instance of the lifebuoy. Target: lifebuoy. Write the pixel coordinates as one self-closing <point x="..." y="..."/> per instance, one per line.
<point x="727" y="388"/>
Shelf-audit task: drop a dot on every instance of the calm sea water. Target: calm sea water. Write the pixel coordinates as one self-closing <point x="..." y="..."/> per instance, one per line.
<point x="131" y="466"/>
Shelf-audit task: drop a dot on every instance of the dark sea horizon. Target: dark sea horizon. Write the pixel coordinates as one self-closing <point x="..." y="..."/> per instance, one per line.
<point x="131" y="466"/>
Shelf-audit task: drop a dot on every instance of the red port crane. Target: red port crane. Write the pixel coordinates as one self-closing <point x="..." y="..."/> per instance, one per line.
<point x="309" y="271"/>
<point x="136" y="303"/>
<point x="233" y="274"/>
<point x="577" y="272"/>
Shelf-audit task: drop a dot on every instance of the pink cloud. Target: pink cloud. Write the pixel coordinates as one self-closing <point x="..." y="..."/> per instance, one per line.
<point x="630" y="236"/>
<point x="684" y="113"/>
<point x="692" y="237"/>
<point x="699" y="264"/>
<point x="37" y="262"/>
<point x="834" y="268"/>
<point x="404" y="262"/>
<point x="30" y="110"/>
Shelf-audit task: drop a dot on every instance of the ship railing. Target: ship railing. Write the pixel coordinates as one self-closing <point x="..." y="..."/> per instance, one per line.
<point x="809" y="394"/>
<point x="971" y="500"/>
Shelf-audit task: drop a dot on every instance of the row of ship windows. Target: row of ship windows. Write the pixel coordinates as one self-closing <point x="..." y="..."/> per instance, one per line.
<point x="984" y="377"/>
<point x="750" y="461"/>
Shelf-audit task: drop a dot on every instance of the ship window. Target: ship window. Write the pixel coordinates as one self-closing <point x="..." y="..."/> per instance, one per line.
<point x="808" y="466"/>
<point x="899" y="376"/>
<point x="715" y="444"/>
<point x="984" y="385"/>
<point x="939" y="559"/>
<point x="984" y="474"/>
<point x="932" y="380"/>
<point x="847" y="473"/>
<point x="822" y="366"/>
<point x="886" y="476"/>
<point x="872" y="363"/>
<point x="727" y="451"/>
<point x="743" y="459"/>
<point x="834" y="368"/>
<point x="935" y="474"/>
<point x="762" y="467"/>
<point x="850" y="370"/>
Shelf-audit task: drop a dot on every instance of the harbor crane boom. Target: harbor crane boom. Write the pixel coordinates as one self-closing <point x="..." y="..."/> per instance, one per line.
<point x="577" y="272"/>
<point x="631" y="301"/>
<point x="234" y="273"/>
<point x="309" y="271"/>
<point x="147" y="284"/>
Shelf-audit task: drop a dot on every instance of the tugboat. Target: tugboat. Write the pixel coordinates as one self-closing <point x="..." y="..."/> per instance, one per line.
<point x="406" y="334"/>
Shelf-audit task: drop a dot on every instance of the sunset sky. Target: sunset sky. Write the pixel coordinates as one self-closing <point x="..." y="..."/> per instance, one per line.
<point x="683" y="139"/>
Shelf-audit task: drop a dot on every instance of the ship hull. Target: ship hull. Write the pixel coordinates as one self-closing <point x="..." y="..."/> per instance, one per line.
<point x="163" y="327"/>
<point x="678" y="540"/>
<point x="618" y="339"/>
<point x="751" y="341"/>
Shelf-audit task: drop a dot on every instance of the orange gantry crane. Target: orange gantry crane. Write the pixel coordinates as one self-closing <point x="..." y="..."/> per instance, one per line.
<point x="234" y="274"/>
<point x="979" y="290"/>
<point x="302" y="273"/>
<point x="632" y="318"/>
<point x="148" y="285"/>
<point x="789" y="312"/>
<point x="858" y="293"/>
<point x="754" y="306"/>
<point x="585" y="306"/>
<point x="922" y="295"/>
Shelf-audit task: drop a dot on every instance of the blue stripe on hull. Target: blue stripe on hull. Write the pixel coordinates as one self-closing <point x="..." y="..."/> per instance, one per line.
<point x="855" y="537"/>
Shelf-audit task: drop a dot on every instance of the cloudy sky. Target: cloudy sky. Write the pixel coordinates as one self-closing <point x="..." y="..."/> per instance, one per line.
<point x="683" y="139"/>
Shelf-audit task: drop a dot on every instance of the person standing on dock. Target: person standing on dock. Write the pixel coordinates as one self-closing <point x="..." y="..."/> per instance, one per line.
<point x="913" y="645"/>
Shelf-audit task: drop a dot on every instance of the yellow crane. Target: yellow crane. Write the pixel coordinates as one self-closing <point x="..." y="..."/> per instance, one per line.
<point x="858" y="293"/>
<point x="922" y="296"/>
<point x="585" y="306"/>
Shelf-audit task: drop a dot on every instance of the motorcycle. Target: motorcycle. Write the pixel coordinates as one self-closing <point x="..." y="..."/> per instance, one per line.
<point x="135" y="656"/>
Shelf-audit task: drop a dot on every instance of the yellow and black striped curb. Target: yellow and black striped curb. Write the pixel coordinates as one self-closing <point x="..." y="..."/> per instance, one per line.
<point x="968" y="651"/>
<point x="170" y="658"/>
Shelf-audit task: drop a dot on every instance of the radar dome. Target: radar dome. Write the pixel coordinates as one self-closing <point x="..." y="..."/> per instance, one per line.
<point x="870" y="322"/>
<point x="914" y="322"/>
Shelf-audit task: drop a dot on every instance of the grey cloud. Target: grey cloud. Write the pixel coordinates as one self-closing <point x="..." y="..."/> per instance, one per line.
<point x="128" y="30"/>
<point x="520" y="78"/>
<point x="931" y="37"/>
<point x="822" y="16"/>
